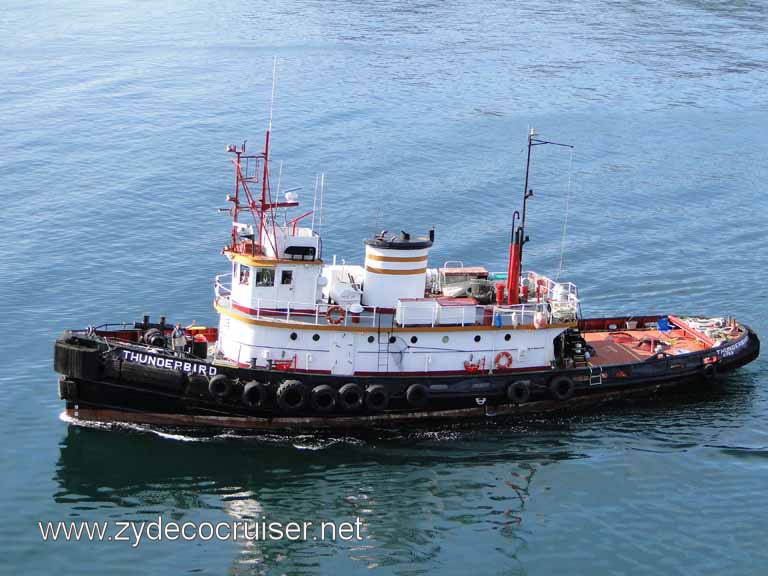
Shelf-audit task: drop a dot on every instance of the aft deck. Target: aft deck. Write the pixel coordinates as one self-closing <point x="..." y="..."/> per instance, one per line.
<point x="671" y="337"/>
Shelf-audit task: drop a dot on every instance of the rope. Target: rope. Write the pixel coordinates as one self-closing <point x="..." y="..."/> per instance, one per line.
<point x="565" y="220"/>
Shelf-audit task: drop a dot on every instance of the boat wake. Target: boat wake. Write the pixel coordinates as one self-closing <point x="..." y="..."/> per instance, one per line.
<point x="298" y="441"/>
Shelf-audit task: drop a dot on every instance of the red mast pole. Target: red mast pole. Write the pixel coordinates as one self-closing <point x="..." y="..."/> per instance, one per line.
<point x="517" y="240"/>
<point x="236" y="209"/>
<point x="513" y="268"/>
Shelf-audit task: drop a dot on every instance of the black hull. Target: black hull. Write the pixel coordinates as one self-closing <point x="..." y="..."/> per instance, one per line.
<point x="106" y="385"/>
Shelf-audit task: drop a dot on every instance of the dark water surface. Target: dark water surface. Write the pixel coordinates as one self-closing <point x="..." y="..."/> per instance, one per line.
<point x="114" y="117"/>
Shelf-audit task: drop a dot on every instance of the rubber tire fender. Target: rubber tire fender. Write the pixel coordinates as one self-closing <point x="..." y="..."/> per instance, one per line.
<point x="197" y="385"/>
<point x="220" y="386"/>
<point x="353" y="391"/>
<point x="518" y="392"/>
<point x="155" y="337"/>
<point x="323" y="398"/>
<point x="710" y="372"/>
<point x="376" y="398"/>
<point x="288" y="389"/>
<point x="562" y="388"/>
<point x="254" y="394"/>
<point x="417" y="395"/>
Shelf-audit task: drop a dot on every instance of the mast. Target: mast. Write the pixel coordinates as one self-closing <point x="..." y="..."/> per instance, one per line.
<point x="265" y="171"/>
<point x="248" y="169"/>
<point x="518" y="238"/>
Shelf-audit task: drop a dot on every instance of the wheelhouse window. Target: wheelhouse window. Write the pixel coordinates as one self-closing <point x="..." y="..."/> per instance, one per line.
<point x="265" y="277"/>
<point x="244" y="275"/>
<point x="286" y="277"/>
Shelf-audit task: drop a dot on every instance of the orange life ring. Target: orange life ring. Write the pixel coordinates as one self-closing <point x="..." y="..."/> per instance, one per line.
<point x="335" y="314"/>
<point x="503" y="360"/>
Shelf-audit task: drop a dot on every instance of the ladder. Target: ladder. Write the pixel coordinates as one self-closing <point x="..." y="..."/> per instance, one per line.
<point x="383" y="344"/>
<point x="595" y="378"/>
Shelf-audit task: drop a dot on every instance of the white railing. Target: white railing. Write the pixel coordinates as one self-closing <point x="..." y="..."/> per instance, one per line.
<point x="222" y="285"/>
<point x="566" y="306"/>
<point x="518" y="314"/>
<point x="276" y="310"/>
<point x="417" y="314"/>
<point x="550" y="288"/>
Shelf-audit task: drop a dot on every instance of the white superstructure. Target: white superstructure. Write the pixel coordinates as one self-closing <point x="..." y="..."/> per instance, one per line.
<point x="283" y="308"/>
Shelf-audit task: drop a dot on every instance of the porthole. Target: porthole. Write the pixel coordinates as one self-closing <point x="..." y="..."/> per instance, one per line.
<point x="445" y="339"/>
<point x="370" y="339"/>
<point x="507" y="337"/>
<point x="392" y="339"/>
<point x="477" y="338"/>
<point x="414" y="339"/>
<point x="316" y="337"/>
<point x="294" y="335"/>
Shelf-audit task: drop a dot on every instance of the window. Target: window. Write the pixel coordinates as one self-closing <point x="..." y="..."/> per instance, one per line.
<point x="445" y="339"/>
<point x="414" y="339"/>
<point x="245" y="274"/>
<point x="507" y="337"/>
<point x="316" y="337"/>
<point x="286" y="277"/>
<point x="370" y="339"/>
<point x="477" y="338"/>
<point x="265" y="277"/>
<point x="294" y="335"/>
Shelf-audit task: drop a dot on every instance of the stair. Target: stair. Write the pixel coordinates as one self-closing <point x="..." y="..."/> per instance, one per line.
<point x="382" y="339"/>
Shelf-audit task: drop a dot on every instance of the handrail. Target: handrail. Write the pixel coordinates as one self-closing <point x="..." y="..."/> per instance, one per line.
<point x="314" y="313"/>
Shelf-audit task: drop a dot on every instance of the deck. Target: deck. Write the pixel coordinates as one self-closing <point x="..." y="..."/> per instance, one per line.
<point x="627" y="346"/>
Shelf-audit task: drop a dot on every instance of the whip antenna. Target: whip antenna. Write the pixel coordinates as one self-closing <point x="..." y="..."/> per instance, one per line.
<point x="272" y="99"/>
<point x="565" y="220"/>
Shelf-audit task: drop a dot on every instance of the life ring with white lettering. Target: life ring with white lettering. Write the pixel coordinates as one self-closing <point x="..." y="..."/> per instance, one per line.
<point x="335" y="314"/>
<point x="503" y="360"/>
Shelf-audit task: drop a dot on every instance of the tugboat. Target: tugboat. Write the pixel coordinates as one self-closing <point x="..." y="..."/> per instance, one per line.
<point x="302" y="343"/>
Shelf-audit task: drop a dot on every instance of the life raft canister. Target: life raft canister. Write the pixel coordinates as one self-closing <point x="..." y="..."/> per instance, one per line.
<point x="335" y="314"/>
<point x="503" y="360"/>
